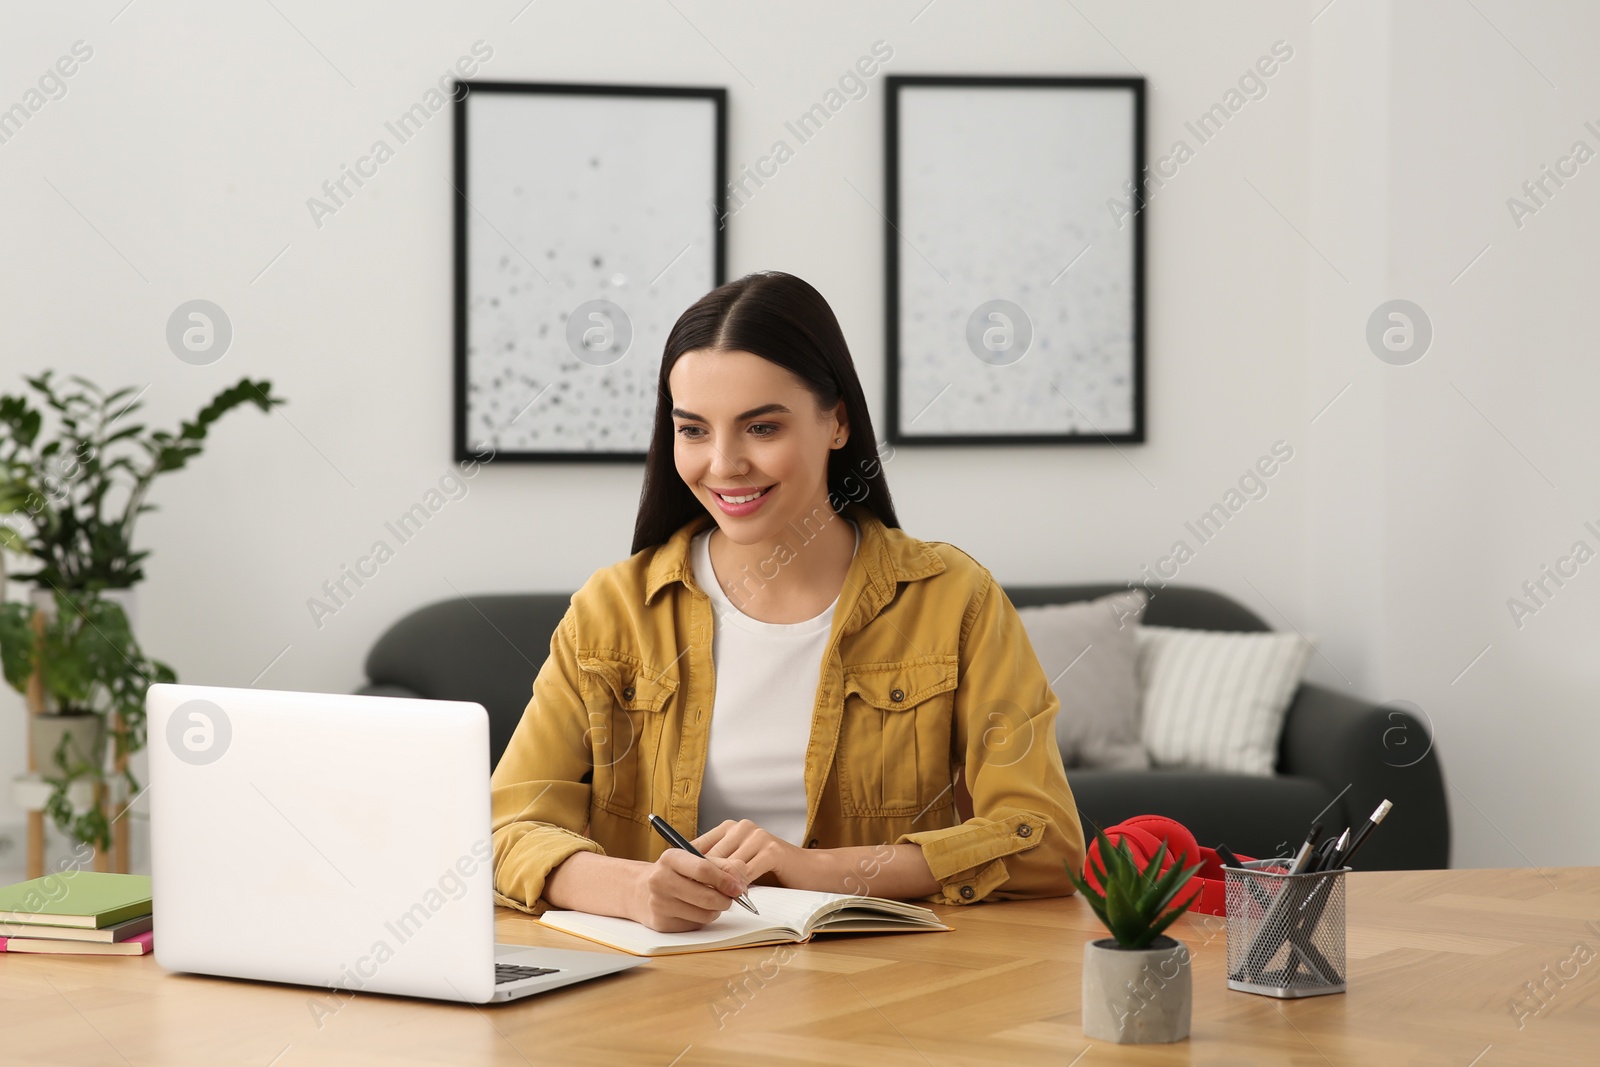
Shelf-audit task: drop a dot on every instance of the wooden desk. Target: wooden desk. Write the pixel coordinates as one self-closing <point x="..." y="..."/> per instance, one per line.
<point x="1436" y="959"/>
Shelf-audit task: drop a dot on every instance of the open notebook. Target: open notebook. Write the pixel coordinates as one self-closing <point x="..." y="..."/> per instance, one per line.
<point x="786" y="915"/>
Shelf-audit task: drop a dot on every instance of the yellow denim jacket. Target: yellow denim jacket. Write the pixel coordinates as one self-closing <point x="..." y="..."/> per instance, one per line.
<point x="928" y="676"/>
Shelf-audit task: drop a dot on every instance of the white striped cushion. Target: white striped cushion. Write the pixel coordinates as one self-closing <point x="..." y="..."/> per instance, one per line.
<point x="1216" y="701"/>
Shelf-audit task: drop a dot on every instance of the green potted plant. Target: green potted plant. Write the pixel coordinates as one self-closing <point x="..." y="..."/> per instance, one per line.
<point x="1136" y="985"/>
<point x="94" y="677"/>
<point x="68" y="503"/>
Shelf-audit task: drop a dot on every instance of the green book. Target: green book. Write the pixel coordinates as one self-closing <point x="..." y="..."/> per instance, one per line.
<point x="85" y="899"/>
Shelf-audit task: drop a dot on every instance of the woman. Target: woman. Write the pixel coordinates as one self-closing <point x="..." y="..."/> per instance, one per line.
<point x="827" y="702"/>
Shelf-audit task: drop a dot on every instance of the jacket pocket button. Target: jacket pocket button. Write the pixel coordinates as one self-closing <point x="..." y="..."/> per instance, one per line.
<point x="627" y="692"/>
<point x="1024" y="830"/>
<point x="897" y="695"/>
<point x="967" y="892"/>
<point x="812" y="843"/>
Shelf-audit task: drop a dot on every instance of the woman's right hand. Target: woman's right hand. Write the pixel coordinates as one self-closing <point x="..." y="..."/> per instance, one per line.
<point x="683" y="892"/>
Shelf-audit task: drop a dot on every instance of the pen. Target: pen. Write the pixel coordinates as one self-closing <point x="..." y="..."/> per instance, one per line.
<point x="676" y="840"/>
<point x="1327" y="862"/>
<point x="1300" y="926"/>
<point x="1328" y="859"/>
<point x="1336" y="857"/>
<point x="1365" y="831"/>
<point x="1225" y="854"/>
<point x="1268" y="935"/>
<point x="1341" y="857"/>
<point x="1304" y="855"/>
<point x="1275" y="926"/>
<point x="1329" y="852"/>
<point x="1311" y="908"/>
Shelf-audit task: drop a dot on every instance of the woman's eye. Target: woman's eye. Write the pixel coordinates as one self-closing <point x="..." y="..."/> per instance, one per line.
<point x="759" y="429"/>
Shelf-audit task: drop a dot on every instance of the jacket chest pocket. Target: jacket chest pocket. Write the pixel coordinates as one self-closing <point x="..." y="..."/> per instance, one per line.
<point x="894" y="744"/>
<point x="626" y="703"/>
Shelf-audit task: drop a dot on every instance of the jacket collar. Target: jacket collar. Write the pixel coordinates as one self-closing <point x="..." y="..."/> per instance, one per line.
<point x="885" y="558"/>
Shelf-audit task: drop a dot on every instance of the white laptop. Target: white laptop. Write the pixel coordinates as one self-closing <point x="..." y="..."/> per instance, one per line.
<point x="333" y="840"/>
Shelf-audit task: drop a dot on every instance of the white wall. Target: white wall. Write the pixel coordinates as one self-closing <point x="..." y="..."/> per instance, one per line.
<point x="188" y="145"/>
<point x="1491" y="440"/>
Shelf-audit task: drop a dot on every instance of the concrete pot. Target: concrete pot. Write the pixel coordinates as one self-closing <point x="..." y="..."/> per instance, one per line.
<point x="1136" y="996"/>
<point x="31" y="793"/>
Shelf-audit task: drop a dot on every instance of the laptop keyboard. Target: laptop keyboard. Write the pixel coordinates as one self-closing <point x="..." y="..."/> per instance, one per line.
<point x="512" y="972"/>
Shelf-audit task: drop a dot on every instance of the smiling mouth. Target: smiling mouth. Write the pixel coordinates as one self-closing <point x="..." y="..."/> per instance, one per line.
<point x="743" y="498"/>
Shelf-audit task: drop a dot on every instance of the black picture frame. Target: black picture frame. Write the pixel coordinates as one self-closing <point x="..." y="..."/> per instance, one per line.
<point x="1131" y="170"/>
<point x="659" y="311"/>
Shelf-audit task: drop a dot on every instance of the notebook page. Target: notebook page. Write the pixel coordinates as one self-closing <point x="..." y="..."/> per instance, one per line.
<point x="784" y="913"/>
<point x="779" y="908"/>
<point x="637" y="937"/>
<point x="791" y="907"/>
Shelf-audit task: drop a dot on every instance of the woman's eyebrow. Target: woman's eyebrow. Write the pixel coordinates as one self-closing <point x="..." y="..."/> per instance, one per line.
<point x="764" y="409"/>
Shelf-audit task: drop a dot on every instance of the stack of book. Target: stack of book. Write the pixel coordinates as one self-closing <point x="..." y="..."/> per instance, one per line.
<point x="82" y="913"/>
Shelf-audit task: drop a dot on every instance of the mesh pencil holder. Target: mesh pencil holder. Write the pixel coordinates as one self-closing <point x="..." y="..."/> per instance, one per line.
<point x="1285" y="931"/>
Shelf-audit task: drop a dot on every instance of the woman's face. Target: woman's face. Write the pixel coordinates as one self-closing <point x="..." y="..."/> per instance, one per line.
<point x="750" y="444"/>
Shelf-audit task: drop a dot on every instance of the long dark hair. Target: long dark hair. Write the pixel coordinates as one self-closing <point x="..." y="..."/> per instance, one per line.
<point x="783" y="320"/>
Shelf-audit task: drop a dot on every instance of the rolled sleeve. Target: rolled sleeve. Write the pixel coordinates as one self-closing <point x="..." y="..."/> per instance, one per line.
<point x="1024" y="833"/>
<point x="969" y="860"/>
<point x="539" y="792"/>
<point x="523" y="859"/>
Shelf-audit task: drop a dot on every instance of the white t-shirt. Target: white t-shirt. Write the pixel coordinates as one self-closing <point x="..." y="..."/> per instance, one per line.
<point x="766" y="690"/>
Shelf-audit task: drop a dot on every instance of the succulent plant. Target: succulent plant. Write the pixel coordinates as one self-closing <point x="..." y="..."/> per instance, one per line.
<point x="1133" y="901"/>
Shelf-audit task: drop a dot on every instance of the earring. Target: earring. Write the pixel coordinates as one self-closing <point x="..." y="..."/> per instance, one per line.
<point x="838" y="440"/>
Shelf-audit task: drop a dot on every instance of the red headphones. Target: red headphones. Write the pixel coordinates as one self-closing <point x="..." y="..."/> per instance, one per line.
<point x="1144" y="836"/>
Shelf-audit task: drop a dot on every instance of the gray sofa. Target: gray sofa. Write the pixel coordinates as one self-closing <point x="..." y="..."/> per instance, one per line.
<point x="1336" y="753"/>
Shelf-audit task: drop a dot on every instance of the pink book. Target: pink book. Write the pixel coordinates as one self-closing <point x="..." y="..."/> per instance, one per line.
<point x="138" y="945"/>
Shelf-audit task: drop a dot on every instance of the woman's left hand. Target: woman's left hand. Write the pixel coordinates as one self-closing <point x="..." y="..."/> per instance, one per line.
<point x="759" y="851"/>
